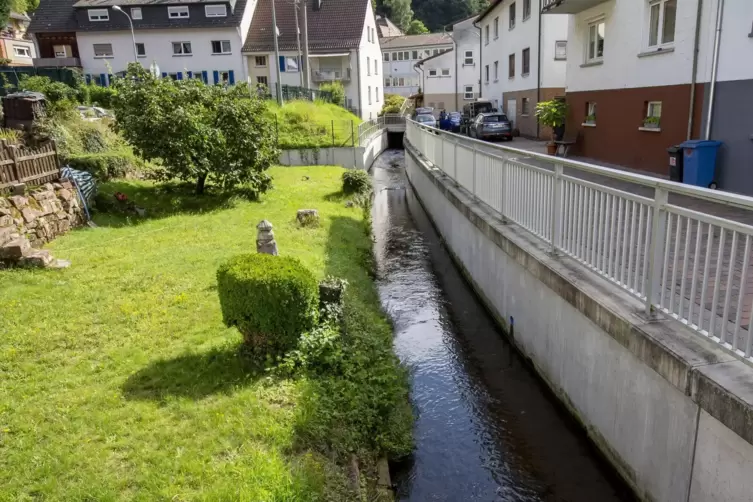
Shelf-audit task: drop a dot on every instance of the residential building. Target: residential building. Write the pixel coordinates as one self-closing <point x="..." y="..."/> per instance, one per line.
<point x="401" y="53"/>
<point x="191" y="39"/>
<point x="15" y="44"/>
<point x="343" y="47"/>
<point x="386" y="28"/>
<point x="523" y="60"/>
<point x="632" y="90"/>
<point x="449" y="79"/>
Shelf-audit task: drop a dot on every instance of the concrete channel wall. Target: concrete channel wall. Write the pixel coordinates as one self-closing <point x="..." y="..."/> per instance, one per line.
<point x="359" y="157"/>
<point x="672" y="412"/>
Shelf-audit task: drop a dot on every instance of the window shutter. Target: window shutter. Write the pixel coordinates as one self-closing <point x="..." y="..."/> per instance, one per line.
<point x="232" y="77"/>
<point x="103" y="79"/>
<point x="282" y="63"/>
<point x="190" y="75"/>
<point x="205" y="77"/>
<point x="180" y="75"/>
<point x="216" y="76"/>
<point x="164" y="74"/>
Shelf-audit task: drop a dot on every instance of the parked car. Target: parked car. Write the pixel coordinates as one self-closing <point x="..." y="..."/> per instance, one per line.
<point x="491" y="126"/>
<point x="427" y="120"/>
<point x="422" y="111"/>
<point x="456" y="120"/>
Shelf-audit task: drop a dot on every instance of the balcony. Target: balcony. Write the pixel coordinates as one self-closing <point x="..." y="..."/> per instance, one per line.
<point x="568" y="6"/>
<point x="56" y="62"/>
<point x="321" y="76"/>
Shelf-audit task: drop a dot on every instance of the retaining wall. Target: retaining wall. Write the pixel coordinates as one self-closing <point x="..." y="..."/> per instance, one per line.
<point x="671" y="412"/>
<point x="359" y="157"/>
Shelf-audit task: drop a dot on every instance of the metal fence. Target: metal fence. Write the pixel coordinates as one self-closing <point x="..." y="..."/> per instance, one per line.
<point x="290" y="92"/>
<point x="312" y="134"/>
<point x="31" y="166"/>
<point x="369" y="128"/>
<point x="684" y="251"/>
<point x="10" y="76"/>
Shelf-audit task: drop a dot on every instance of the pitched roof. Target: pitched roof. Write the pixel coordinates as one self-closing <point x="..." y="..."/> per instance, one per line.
<point x="420" y="63"/>
<point x="415" y="40"/>
<point x="53" y="15"/>
<point x="386" y="28"/>
<point x="336" y="25"/>
<point x="492" y="5"/>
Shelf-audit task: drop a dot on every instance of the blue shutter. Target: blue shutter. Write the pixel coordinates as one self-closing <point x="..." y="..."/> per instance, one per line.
<point x="232" y="77"/>
<point x="282" y="63"/>
<point x="190" y="75"/>
<point x="180" y="75"/>
<point x="109" y="80"/>
<point x="205" y="77"/>
<point x="164" y="74"/>
<point x="88" y="78"/>
<point x="216" y="76"/>
<point x="103" y="80"/>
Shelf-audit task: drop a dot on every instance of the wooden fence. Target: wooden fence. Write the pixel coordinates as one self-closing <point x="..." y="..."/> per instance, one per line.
<point x="31" y="166"/>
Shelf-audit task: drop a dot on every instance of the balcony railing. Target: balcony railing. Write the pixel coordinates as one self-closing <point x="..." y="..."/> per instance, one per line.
<point x="56" y="62"/>
<point x="567" y="6"/>
<point x="331" y="76"/>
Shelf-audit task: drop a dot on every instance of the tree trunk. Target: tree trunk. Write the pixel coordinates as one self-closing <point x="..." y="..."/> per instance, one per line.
<point x="200" y="183"/>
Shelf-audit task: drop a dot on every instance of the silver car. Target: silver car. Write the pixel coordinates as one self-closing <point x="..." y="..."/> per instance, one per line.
<point x="427" y="120"/>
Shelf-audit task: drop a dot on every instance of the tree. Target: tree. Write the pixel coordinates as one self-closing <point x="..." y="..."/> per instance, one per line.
<point x="400" y="12"/>
<point x="417" y="27"/>
<point x="199" y="132"/>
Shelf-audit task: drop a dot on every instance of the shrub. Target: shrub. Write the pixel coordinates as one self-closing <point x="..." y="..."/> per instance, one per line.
<point x="356" y="182"/>
<point x="392" y="103"/>
<point x="53" y="91"/>
<point x="12" y="136"/>
<point x="99" y="96"/>
<point x="337" y="90"/>
<point x="272" y="300"/>
<point x="107" y="165"/>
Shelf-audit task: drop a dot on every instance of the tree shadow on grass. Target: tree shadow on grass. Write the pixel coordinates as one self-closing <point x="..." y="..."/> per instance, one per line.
<point x="194" y="375"/>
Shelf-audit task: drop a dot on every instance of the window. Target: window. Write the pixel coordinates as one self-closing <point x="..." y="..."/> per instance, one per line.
<point x="260" y="60"/>
<point x="496" y="28"/>
<point x="99" y="15"/>
<point x="432" y="73"/>
<point x="595" y="49"/>
<point x="387" y="56"/>
<point x="399" y="57"/>
<point x="590" y="113"/>
<point x="373" y="36"/>
<point x="181" y="48"/>
<point x="180" y="12"/>
<point x="376" y="67"/>
<point x="525" y="106"/>
<point x="376" y="93"/>
<point x="661" y="23"/>
<point x="511" y="66"/>
<point x="526" y="9"/>
<point x="434" y="52"/>
<point x="368" y="34"/>
<point x="21" y="51"/>
<point x="440" y="105"/>
<point x="394" y="56"/>
<point x="526" y="62"/>
<point x="290" y="64"/>
<point x="468" y="92"/>
<point x="653" y="115"/>
<point x="387" y="82"/>
<point x="400" y="82"/>
<point x="368" y="66"/>
<point x="140" y="50"/>
<point x="369" y="94"/>
<point x="512" y="15"/>
<point x="102" y="50"/>
<point x="198" y="75"/>
<point x="215" y="11"/>
<point x="486" y="34"/>
<point x="560" y="50"/>
<point x="486" y="72"/>
<point x="496" y="71"/>
<point x="415" y="55"/>
<point x="445" y="72"/>
<point x="136" y="13"/>
<point x="61" y="51"/>
<point x="220" y="46"/>
<point x="468" y="59"/>
<point x="262" y="81"/>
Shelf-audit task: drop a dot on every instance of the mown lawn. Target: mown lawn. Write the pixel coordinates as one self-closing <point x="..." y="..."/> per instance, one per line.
<point x="118" y="380"/>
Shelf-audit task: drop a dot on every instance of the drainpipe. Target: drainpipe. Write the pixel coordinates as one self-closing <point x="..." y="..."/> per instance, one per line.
<point x="358" y="72"/>
<point x="480" y="60"/>
<point x="694" y="76"/>
<point x="538" y="72"/>
<point x="455" y="50"/>
<point x="714" y="67"/>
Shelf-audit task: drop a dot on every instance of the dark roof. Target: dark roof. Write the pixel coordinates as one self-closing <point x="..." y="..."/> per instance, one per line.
<point x="336" y="25"/>
<point x="53" y="15"/>
<point x="486" y="11"/>
<point x="415" y="40"/>
<point x="138" y="3"/>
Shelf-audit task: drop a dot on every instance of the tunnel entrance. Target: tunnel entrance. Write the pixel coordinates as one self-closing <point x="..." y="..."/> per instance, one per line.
<point x="395" y="139"/>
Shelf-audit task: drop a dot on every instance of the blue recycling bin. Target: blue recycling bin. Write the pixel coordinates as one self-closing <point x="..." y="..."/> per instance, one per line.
<point x="699" y="162"/>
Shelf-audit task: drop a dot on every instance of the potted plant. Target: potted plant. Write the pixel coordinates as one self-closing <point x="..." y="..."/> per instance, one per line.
<point x="552" y="114"/>
<point x="651" y="122"/>
<point x="591" y="119"/>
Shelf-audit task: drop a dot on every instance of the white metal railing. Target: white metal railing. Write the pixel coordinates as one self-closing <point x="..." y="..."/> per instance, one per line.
<point x="692" y="265"/>
<point x="369" y="128"/>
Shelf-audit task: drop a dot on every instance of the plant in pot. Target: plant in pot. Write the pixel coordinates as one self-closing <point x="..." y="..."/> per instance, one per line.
<point x="552" y="114"/>
<point x="651" y="122"/>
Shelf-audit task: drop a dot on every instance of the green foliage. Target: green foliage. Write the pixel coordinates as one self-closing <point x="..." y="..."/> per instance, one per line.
<point x="651" y="121"/>
<point x="438" y="13"/>
<point x="53" y="91"/>
<point x="356" y="181"/>
<point x="337" y="90"/>
<point x="12" y="136"/>
<point x="319" y="351"/>
<point x="303" y="124"/>
<point x="417" y="28"/>
<point x="551" y="113"/>
<point x="202" y="133"/>
<point x="272" y="300"/>
<point x="108" y="164"/>
<point x="400" y="13"/>
<point x="98" y="95"/>
<point x="392" y="103"/>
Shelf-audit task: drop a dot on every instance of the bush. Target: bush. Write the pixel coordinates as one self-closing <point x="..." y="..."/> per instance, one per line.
<point x="392" y="103"/>
<point x="53" y="91"/>
<point x="272" y="300"/>
<point x="99" y="96"/>
<point x="356" y="182"/>
<point x="107" y="165"/>
<point x="337" y="90"/>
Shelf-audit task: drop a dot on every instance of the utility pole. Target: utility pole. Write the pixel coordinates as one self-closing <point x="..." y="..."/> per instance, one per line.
<point x="305" y="66"/>
<point x="278" y="84"/>
<point x="296" y="3"/>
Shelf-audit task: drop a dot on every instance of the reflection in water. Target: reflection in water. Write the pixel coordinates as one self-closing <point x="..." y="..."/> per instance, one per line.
<point x="486" y="429"/>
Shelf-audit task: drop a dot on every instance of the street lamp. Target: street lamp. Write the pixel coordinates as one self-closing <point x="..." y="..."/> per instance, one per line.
<point x="133" y="36"/>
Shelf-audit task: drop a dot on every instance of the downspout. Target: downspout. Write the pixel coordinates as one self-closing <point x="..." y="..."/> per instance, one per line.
<point x="694" y="76"/>
<point x="358" y="72"/>
<point x="455" y="49"/>
<point x="480" y="60"/>
<point x="714" y="67"/>
<point x="538" y="72"/>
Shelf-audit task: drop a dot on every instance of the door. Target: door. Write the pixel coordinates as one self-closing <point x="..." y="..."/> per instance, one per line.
<point x="512" y="112"/>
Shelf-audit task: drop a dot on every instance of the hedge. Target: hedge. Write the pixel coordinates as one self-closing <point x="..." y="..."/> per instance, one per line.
<point x="356" y="182"/>
<point x="272" y="300"/>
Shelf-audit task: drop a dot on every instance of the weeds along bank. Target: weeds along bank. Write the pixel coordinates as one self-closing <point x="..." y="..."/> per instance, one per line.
<point x="141" y="392"/>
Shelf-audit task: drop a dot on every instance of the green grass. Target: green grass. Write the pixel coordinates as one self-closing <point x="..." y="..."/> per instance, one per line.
<point x="120" y="382"/>
<point x="303" y="124"/>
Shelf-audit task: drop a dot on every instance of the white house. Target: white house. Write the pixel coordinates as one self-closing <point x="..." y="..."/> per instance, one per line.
<point x="523" y="61"/>
<point x="343" y="47"/>
<point x="400" y="55"/>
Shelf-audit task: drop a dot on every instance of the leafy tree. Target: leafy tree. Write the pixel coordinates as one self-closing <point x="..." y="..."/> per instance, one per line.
<point x="199" y="132"/>
<point x="417" y="27"/>
<point x="400" y="12"/>
<point x="438" y="13"/>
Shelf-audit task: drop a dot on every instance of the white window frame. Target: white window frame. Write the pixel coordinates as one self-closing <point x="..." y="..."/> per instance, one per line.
<point x="64" y="53"/>
<point x="259" y="82"/>
<point x="406" y="55"/>
<point x="26" y="52"/>
<point x="376" y="67"/>
<point x="98" y="15"/>
<point x="368" y="66"/>
<point x="486" y="35"/>
<point x="401" y="82"/>
<point x="496" y="28"/>
<point x="496" y="71"/>
<point x="222" y="47"/>
<point x="386" y="57"/>
<point x="183" y="46"/>
<point x="263" y="61"/>
<point x="215" y="7"/>
<point x="468" y="95"/>
<point x="103" y="55"/>
<point x="557" y="45"/>
<point x="142" y="44"/>
<point x="445" y="72"/>
<point x="296" y="64"/>
<point x="651" y="108"/>
<point x="595" y="42"/>
<point x="414" y="55"/>
<point x="486" y="73"/>
<point x="662" y="7"/>
<point x="136" y="14"/>
<point x="512" y="14"/>
<point x="432" y="73"/>
<point x="376" y="94"/>
<point x="387" y="82"/>
<point x="526" y="9"/>
<point x="469" y="60"/>
<point x="369" y="94"/>
<point x="523" y="53"/>
<point x="523" y="103"/>
<point x="177" y="12"/>
<point x="590" y="110"/>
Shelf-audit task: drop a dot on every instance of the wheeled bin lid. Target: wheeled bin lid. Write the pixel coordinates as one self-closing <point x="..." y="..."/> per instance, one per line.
<point x="700" y="143"/>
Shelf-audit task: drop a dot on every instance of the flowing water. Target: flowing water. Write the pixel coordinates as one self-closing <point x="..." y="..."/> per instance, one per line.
<point x="486" y="427"/>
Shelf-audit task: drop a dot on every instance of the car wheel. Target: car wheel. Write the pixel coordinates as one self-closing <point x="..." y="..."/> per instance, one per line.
<point x="713" y="185"/>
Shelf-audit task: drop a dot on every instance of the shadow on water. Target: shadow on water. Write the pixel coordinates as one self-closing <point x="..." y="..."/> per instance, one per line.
<point x="487" y="429"/>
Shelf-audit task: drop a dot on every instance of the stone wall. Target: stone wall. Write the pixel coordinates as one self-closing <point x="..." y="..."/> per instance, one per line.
<point x="30" y="220"/>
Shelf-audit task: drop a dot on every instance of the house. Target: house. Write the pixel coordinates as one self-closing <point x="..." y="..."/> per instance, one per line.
<point x="191" y="39"/>
<point x="449" y="79"/>
<point x="386" y="28"/>
<point x="401" y="53"/>
<point x="636" y="84"/>
<point x="523" y="60"/>
<point x="343" y="47"/>
<point x="15" y="44"/>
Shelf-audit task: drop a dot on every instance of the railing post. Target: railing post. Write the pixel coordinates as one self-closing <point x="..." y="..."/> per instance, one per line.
<point x="555" y="213"/>
<point x="474" y="170"/>
<point x="503" y="190"/>
<point x="455" y="163"/>
<point x="658" y="231"/>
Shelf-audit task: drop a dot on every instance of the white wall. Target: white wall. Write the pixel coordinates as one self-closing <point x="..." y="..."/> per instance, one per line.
<point x="466" y="39"/>
<point x="17" y="60"/>
<point x="736" y="54"/>
<point x="370" y="53"/>
<point x="553" y="29"/>
<point x="406" y="68"/>
<point x="158" y="45"/>
<point x="439" y="84"/>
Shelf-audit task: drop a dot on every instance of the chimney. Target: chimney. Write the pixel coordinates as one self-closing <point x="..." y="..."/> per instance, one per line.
<point x="317" y="4"/>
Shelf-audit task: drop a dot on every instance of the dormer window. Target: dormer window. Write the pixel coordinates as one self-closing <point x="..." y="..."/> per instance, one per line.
<point x="180" y="12"/>
<point x="99" y="15"/>
<point x="215" y="10"/>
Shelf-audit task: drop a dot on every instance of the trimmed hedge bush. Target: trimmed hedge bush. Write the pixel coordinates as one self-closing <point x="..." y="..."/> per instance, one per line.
<point x="356" y="181"/>
<point x="272" y="300"/>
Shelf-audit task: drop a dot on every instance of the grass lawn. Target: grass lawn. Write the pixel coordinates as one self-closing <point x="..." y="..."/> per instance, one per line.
<point x="303" y="124"/>
<point x="120" y="382"/>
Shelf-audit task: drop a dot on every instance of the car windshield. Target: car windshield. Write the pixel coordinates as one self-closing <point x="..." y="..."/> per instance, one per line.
<point x="425" y="118"/>
<point x="495" y="118"/>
